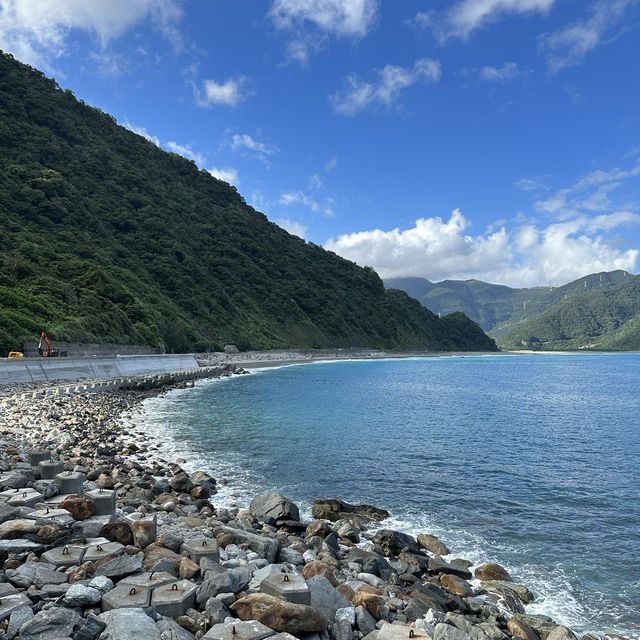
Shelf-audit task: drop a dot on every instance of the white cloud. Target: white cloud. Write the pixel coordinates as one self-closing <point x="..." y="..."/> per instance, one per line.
<point x="331" y="164"/>
<point x="294" y="227"/>
<point x="466" y="16"/>
<point x="589" y="193"/>
<point x="36" y="31"/>
<point x="535" y="183"/>
<point x="230" y="93"/>
<point x="528" y="255"/>
<point x="293" y="198"/>
<point x="507" y="71"/>
<point x="228" y="174"/>
<point x="568" y="46"/>
<point x="245" y="141"/>
<point x="141" y="131"/>
<point x="311" y="21"/>
<point x="315" y="182"/>
<point x="186" y="152"/>
<point x="386" y="90"/>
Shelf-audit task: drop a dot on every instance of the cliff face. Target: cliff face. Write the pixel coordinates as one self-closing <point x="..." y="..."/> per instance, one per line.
<point x="108" y="238"/>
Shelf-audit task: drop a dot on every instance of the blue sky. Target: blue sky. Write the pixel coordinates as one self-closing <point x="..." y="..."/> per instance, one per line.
<point x="493" y="139"/>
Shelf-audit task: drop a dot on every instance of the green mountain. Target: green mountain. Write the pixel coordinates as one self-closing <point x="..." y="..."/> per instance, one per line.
<point x="512" y="316"/>
<point x="106" y="237"/>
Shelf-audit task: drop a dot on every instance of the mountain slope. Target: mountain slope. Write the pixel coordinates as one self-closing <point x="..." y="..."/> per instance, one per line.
<point x="108" y="238"/>
<point x="502" y="311"/>
<point x="603" y="319"/>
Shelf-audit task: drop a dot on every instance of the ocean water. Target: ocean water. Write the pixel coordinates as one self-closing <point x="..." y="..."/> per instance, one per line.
<point x="529" y="461"/>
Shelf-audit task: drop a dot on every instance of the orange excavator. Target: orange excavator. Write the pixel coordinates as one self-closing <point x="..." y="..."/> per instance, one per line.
<point x="46" y="349"/>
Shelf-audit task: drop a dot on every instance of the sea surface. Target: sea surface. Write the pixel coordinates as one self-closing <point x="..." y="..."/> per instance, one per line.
<point x="532" y="461"/>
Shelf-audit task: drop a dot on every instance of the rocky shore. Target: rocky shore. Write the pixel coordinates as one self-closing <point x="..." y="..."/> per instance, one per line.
<point x="102" y="538"/>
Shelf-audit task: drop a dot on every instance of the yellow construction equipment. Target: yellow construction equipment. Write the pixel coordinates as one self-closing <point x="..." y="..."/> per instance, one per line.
<point x="16" y="354"/>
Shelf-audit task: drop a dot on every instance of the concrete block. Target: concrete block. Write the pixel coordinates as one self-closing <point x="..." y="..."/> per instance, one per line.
<point x="64" y="556"/>
<point x="173" y="600"/>
<point x="399" y="632"/>
<point x="102" y="551"/>
<point x="287" y="586"/>
<point x="49" y="469"/>
<point x="104" y="501"/>
<point x="38" y="455"/>
<point x="126" y="596"/>
<point x="71" y="482"/>
<point x="235" y="630"/>
<point x="144" y="527"/>
<point x="25" y="497"/>
<point x="198" y="548"/>
<point x="149" y="580"/>
<point x="9" y="603"/>
<point x="59" y="516"/>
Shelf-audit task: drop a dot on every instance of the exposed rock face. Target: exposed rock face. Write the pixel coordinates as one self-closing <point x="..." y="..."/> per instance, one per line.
<point x="334" y="509"/>
<point x="271" y="507"/>
<point x="279" y="615"/>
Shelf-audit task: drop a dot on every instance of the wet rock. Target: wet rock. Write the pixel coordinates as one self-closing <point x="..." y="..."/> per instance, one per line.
<point x="433" y="544"/>
<point x="334" y="509"/>
<point x="55" y="622"/>
<point x="492" y="571"/>
<point x="393" y="542"/>
<point x="502" y="588"/>
<point x="271" y="507"/>
<point x="279" y="615"/>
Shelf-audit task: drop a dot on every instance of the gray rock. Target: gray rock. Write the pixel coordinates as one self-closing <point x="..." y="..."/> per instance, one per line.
<point x="291" y="556"/>
<point x="55" y="622"/>
<point x="345" y="529"/>
<point x="91" y="628"/>
<point x="38" y="573"/>
<point x="17" y="619"/>
<point x="48" y="488"/>
<point x="393" y="542"/>
<point x="121" y="566"/>
<point x="79" y="595"/>
<point x="171" y="629"/>
<point x="365" y="622"/>
<point x="447" y="632"/>
<point x="265" y="547"/>
<point x="271" y="507"/>
<point x="561" y="633"/>
<point x="102" y="583"/>
<point x="325" y="598"/>
<point x="216" y="610"/>
<point x="128" y="623"/>
<point x="7" y="512"/>
<point x="231" y="581"/>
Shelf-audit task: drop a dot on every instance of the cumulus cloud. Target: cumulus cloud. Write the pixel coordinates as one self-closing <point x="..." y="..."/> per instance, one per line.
<point x="245" y="141"/>
<point x="186" y="152"/>
<point x="386" y="89"/>
<point x="525" y="256"/>
<point x="231" y="92"/>
<point x="294" y="227"/>
<point x="293" y="198"/>
<point x="36" y="31"/>
<point x="568" y="46"/>
<point x="466" y="16"/>
<point x="228" y="174"/>
<point x="312" y="21"/>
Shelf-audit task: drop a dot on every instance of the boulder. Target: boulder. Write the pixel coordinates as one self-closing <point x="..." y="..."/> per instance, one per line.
<point x="79" y="508"/>
<point x="325" y="598"/>
<point x="181" y="483"/>
<point x="345" y="529"/>
<point x="121" y="566"/>
<point x="118" y="531"/>
<point x="80" y="595"/>
<point x="279" y="615"/>
<point x="17" y="528"/>
<point x="562" y="633"/>
<point x="154" y="552"/>
<point x="492" y="571"/>
<point x="433" y="544"/>
<point x="393" y="542"/>
<point x="267" y="548"/>
<point x="447" y="632"/>
<point x="502" y="588"/>
<point x="521" y="630"/>
<point x="457" y="586"/>
<point x="18" y="618"/>
<point x="271" y="507"/>
<point x="333" y="509"/>
<point x="128" y="623"/>
<point x="55" y="622"/>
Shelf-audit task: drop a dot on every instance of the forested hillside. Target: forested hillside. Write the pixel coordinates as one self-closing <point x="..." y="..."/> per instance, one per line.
<point x="597" y="311"/>
<point x="106" y="237"/>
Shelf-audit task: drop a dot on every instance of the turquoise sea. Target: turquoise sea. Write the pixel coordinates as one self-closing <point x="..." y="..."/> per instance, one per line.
<point x="532" y="461"/>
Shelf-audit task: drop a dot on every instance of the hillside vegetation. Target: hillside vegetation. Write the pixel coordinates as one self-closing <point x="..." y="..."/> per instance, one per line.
<point x="598" y="311"/>
<point x="106" y="237"/>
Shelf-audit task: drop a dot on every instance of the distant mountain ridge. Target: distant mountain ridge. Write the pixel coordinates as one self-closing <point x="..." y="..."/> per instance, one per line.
<point x="107" y="238"/>
<point x="598" y="311"/>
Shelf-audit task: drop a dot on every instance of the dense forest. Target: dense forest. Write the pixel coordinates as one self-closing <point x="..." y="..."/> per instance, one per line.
<point x="598" y="311"/>
<point x="106" y="237"/>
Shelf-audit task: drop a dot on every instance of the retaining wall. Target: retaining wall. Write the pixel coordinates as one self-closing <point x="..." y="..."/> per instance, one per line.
<point x="92" y="368"/>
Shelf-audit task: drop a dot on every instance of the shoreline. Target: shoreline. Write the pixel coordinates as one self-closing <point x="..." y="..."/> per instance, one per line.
<point x="129" y="435"/>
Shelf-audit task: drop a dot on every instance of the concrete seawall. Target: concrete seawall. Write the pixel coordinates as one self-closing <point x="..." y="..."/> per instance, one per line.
<point x="92" y="368"/>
